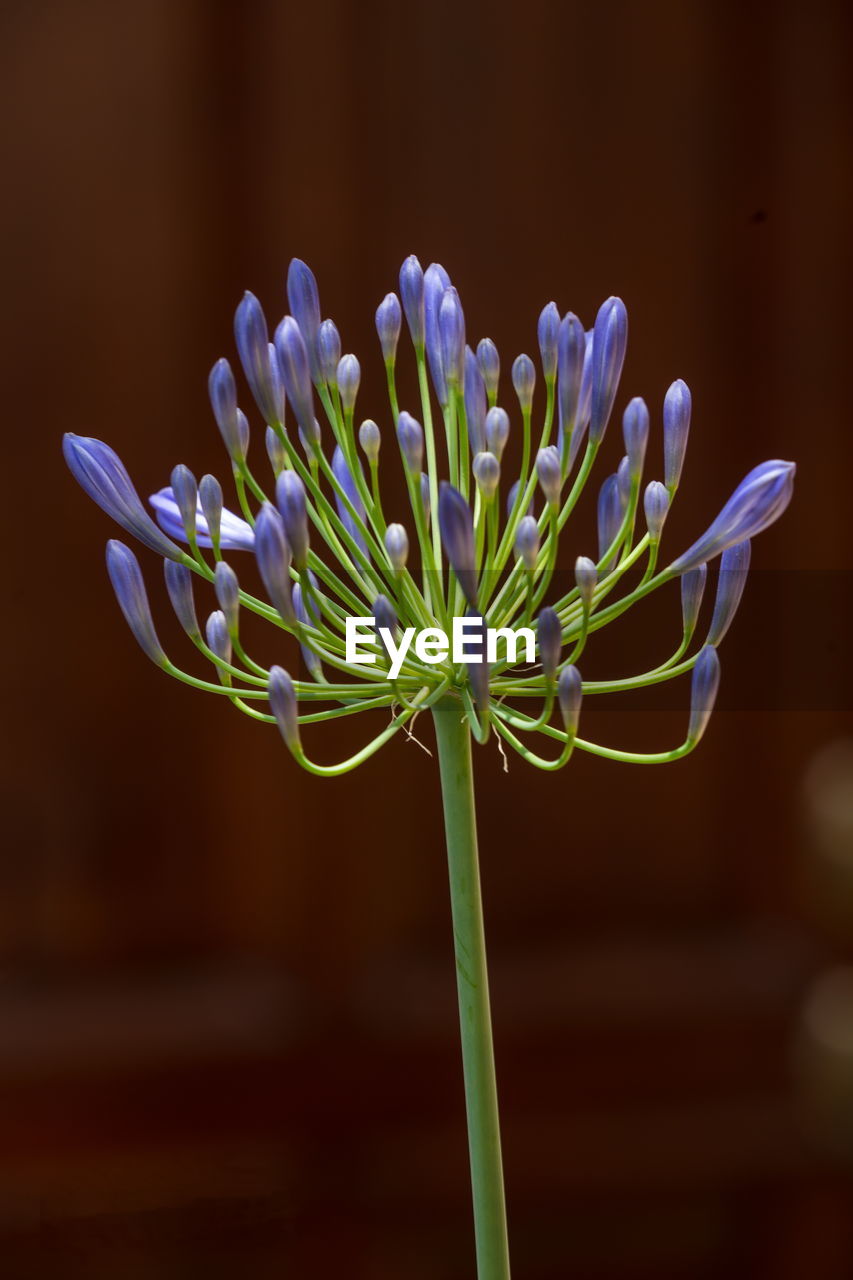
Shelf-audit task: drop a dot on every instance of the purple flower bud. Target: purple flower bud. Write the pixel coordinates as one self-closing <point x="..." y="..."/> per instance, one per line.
<point x="586" y="577"/>
<point x="179" y="584"/>
<point x="275" y="451"/>
<point x="370" y="439"/>
<point x="549" y="632"/>
<point x="656" y="506"/>
<point x="291" y="502"/>
<point x="243" y="431"/>
<point x="487" y="473"/>
<point x="676" y="426"/>
<point x="524" y="380"/>
<point x="610" y="338"/>
<point x="277" y="396"/>
<point x="451" y="332"/>
<point x="305" y="605"/>
<point x="610" y="513"/>
<point x="527" y="541"/>
<point x="692" y="590"/>
<point x="457" y="537"/>
<point x="571" y="346"/>
<point x="759" y="499"/>
<point x="129" y="587"/>
<point x="310" y="442"/>
<point x="426" y="497"/>
<point x="397" y="545"/>
<point x="349" y="377"/>
<point x="475" y="403"/>
<point x="549" y="473"/>
<point x="389" y="320"/>
<point x="252" y="338"/>
<point x="296" y="374"/>
<point x="100" y="472"/>
<point x="490" y="366"/>
<point x="511" y="497"/>
<point x="623" y="476"/>
<point x="223" y="399"/>
<point x="570" y="696"/>
<point x="347" y="482"/>
<point x="386" y="619"/>
<point x="411" y="438"/>
<point x="497" y="431"/>
<point x="412" y="295"/>
<point x="734" y="567"/>
<point x="227" y="590"/>
<point x="309" y="657"/>
<point x="210" y="501"/>
<point x="273" y="556"/>
<point x="635" y="432"/>
<point x="328" y="351"/>
<point x="185" y="493"/>
<point x="548" y="331"/>
<point x="703" y="692"/>
<point x="282" y="697"/>
<point x="217" y="637"/>
<point x="436" y="280"/>
<point x="304" y="302"/>
<point x="584" y="409"/>
<point x="478" y="668"/>
<point x="585" y="396"/>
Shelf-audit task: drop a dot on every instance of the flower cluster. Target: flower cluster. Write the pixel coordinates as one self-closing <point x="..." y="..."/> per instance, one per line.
<point x="472" y="541"/>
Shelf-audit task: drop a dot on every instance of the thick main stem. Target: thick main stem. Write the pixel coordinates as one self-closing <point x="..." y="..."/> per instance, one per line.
<point x="478" y="1058"/>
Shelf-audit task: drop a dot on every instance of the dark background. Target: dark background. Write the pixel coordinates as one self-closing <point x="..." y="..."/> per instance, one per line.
<point x="227" y="1009"/>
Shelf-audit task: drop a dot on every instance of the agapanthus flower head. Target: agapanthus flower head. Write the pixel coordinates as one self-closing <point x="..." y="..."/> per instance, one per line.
<point x="474" y="549"/>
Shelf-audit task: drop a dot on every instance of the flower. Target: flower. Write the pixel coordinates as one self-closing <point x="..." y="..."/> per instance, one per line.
<point x="473" y="544"/>
<point x="757" y="502"/>
<point x="235" y="534"/>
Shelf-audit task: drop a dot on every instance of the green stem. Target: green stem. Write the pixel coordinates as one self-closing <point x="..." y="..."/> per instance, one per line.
<point x="478" y="1059"/>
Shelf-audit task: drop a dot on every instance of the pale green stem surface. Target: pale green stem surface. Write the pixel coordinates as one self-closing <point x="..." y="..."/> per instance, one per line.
<point x="478" y="1060"/>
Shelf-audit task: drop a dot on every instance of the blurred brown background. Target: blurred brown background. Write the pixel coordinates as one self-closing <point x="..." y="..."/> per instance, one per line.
<point x="227" y="1007"/>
